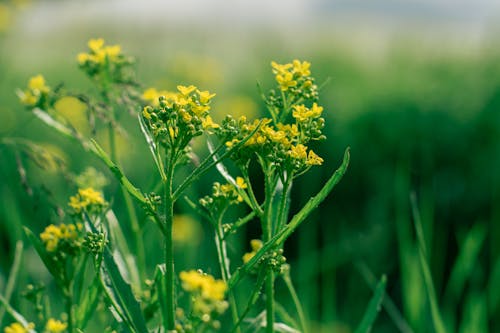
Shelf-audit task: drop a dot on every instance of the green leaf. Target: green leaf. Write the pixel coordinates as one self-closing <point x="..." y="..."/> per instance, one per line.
<point x="475" y="315"/>
<point x="135" y="192"/>
<point x="465" y="262"/>
<point x="297" y="219"/>
<point x="373" y="308"/>
<point x="160" y="273"/>
<point x="47" y="259"/>
<point x="437" y="319"/>
<point x="88" y="303"/>
<point x="16" y="315"/>
<point x="119" y="291"/>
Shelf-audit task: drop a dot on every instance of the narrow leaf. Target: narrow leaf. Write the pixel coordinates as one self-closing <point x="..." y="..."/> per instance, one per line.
<point x="135" y="192"/>
<point x="152" y="147"/>
<point x="373" y="308"/>
<point x="49" y="263"/>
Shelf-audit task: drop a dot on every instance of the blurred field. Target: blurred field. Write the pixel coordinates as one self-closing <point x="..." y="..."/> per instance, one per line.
<point x="420" y="117"/>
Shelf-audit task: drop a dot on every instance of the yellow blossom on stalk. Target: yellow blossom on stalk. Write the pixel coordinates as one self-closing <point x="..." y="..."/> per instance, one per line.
<point x="85" y="199"/>
<point x="18" y="328"/>
<point x="55" y="326"/>
<point x="280" y="69"/>
<point x="285" y="81"/>
<point x="208" y="123"/>
<point x="313" y="159"/>
<point x="302" y="113"/>
<point x="208" y="287"/>
<point x="37" y="83"/>
<point x="185" y="91"/>
<point x="298" y="152"/>
<point x="95" y="44"/>
<point x="302" y="68"/>
<point x="53" y="235"/>
<point x="256" y="245"/>
<point x="240" y="182"/>
<point x="205" y="96"/>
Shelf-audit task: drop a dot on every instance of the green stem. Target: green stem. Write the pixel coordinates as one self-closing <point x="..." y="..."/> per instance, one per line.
<point x="169" y="317"/>
<point x="270" y="301"/>
<point x="68" y="295"/>
<point x="225" y="270"/>
<point x="296" y="301"/>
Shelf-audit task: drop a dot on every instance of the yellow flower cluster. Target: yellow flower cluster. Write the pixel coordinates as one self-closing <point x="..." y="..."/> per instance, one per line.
<point x="303" y="114"/>
<point x="55" y="326"/>
<point x="291" y="74"/>
<point x="99" y="53"/>
<point x="87" y="199"/>
<point x="18" y="328"/>
<point x="256" y="245"/>
<point x="176" y="117"/>
<point x="36" y="92"/>
<point x="299" y="152"/>
<point x="54" y="235"/>
<point x="203" y="284"/>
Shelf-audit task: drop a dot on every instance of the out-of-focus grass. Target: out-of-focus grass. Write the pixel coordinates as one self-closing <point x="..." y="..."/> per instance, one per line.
<point x="415" y="121"/>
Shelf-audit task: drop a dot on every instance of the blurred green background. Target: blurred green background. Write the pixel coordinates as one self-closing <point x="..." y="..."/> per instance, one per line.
<point x="413" y="89"/>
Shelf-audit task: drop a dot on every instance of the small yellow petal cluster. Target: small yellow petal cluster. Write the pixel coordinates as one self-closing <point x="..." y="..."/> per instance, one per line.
<point x="303" y="114"/>
<point x="55" y="326"/>
<point x="152" y="96"/>
<point x="53" y="235"/>
<point x="256" y="245"/>
<point x="87" y="199"/>
<point x="203" y="284"/>
<point x="37" y="89"/>
<point x="291" y="74"/>
<point x="18" y="328"/>
<point x="299" y="152"/>
<point x="99" y="52"/>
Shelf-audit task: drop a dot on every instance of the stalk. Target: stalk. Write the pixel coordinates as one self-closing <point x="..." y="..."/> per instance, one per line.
<point x="225" y="270"/>
<point x="169" y="245"/>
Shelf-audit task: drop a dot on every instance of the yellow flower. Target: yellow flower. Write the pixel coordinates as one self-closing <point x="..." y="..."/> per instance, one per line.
<point x="207" y="286"/>
<point x="298" y="152"/>
<point x="18" y="328"/>
<point x="113" y="51"/>
<point x="37" y="84"/>
<point x="82" y="58"/>
<point x="185" y="91"/>
<point x="285" y="81"/>
<point x="95" y="44"/>
<point x="240" y="182"/>
<point x="55" y="326"/>
<point x="302" y="113"/>
<point x="256" y="245"/>
<point x="27" y="98"/>
<point x="302" y="68"/>
<point x="208" y="123"/>
<point x="313" y="159"/>
<point x="86" y="198"/>
<point x="53" y="234"/>
<point x="280" y="69"/>
<point x="205" y="96"/>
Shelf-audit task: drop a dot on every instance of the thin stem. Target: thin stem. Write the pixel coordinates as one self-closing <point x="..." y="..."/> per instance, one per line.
<point x="225" y="269"/>
<point x="68" y="295"/>
<point x="169" y="317"/>
<point x="296" y="301"/>
<point x="13" y="275"/>
<point x="282" y="210"/>
<point x="270" y="301"/>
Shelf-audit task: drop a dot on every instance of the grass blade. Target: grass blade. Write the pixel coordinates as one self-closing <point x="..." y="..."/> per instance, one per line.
<point x="11" y="282"/>
<point x="426" y="272"/>
<point x="373" y="308"/>
<point x="152" y="147"/>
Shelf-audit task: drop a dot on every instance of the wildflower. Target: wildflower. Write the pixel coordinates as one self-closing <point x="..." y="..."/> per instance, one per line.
<point x="53" y="235"/>
<point x="256" y="245"/>
<point x="95" y="44"/>
<point x="186" y="91"/>
<point x="285" y="81"/>
<point x="240" y="183"/>
<point x="36" y="92"/>
<point x="208" y="123"/>
<point x="87" y="199"/>
<point x="18" y="328"/>
<point x="279" y="69"/>
<point x="302" y="68"/>
<point x="204" y="284"/>
<point x="55" y="326"/>
<point x="205" y="96"/>
<point x="302" y="113"/>
<point x="298" y="152"/>
<point x="313" y="159"/>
